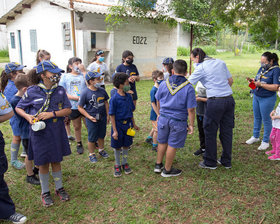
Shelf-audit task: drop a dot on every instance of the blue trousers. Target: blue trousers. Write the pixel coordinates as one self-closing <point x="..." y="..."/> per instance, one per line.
<point x="219" y="114"/>
<point x="262" y="107"/>
<point x="7" y="207"/>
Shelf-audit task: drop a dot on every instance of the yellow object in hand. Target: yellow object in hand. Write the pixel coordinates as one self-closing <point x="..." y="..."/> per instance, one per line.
<point x="130" y="132"/>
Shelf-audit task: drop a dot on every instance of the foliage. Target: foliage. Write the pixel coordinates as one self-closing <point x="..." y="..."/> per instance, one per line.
<point x="208" y="49"/>
<point x="4" y="53"/>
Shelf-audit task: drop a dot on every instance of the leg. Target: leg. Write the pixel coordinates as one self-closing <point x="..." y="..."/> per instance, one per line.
<point x="199" y="120"/>
<point x="57" y="176"/>
<point x="44" y="177"/>
<point x="78" y="129"/>
<point x="170" y="155"/>
<point x="162" y="148"/>
<point x="257" y="117"/>
<point x="91" y="147"/>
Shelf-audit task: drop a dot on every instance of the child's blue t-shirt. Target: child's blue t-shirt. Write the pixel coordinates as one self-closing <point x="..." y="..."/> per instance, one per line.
<point x="130" y="70"/>
<point x="74" y="85"/>
<point x="153" y="116"/>
<point x="10" y="90"/>
<point x="113" y="92"/>
<point x="121" y="106"/>
<point x="94" y="101"/>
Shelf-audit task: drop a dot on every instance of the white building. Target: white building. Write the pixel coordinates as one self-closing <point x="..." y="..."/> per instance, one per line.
<point x="46" y="24"/>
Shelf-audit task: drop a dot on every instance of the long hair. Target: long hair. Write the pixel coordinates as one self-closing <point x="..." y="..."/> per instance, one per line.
<point x="5" y="78"/>
<point x="200" y="53"/>
<point x="41" y="54"/>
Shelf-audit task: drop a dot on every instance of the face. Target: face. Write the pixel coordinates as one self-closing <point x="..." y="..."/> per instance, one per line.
<point x="264" y="60"/>
<point x="160" y="78"/>
<point x="94" y="81"/>
<point x="45" y="57"/>
<point x="195" y="59"/>
<point x="100" y="56"/>
<point x="128" y="60"/>
<point x="50" y="77"/>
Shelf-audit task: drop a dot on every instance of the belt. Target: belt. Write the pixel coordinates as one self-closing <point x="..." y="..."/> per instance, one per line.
<point x="222" y="97"/>
<point x="124" y="121"/>
<point x="172" y="118"/>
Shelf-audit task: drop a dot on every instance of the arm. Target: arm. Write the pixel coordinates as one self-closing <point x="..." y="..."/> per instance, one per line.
<point x="86" y="114"/>
<point x="107" y="111"/>
<point x="115" y="132"/>
<point x="191" y="112"/>
<point x="28" y="117"/>
<point x="201" y="99"/>
<point x="6" y="117"/>
<point x="155" y="108"/>
<point x="134" y="125"/>
<point x="230" y="81"/>
<point x="60" y="113"/>
<point x="269" y="87"/>
<point x="70" y="97"/>
<point x="158" y="107"/>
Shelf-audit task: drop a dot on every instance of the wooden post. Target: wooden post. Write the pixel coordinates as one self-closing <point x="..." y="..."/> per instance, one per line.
<point x="191" y="46"/>
<point x="73" y="28"/>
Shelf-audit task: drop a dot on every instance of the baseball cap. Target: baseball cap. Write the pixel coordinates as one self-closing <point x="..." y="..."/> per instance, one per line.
<point x="92" y="74"/>
<point x="13" y="66"/>
<point x="167" y="61"/>
<point x="48" y="66"/>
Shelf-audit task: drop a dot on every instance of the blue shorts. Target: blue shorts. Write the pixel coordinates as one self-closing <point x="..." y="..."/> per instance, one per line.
<point x="172" y="132"/>
<point x="14" y="122"/>
<point x="123" y="139"/>
<point x="96" y="130"/>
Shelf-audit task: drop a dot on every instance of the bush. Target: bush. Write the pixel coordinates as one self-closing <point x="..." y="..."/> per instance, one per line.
<point x="183" y="51"/>
<point x="249" y="48"/>
<point x="208" y="49"/>
<point x="4" y="53"/>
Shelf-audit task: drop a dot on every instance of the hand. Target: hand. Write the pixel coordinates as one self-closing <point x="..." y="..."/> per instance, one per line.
<point x="190" y="130"/>
<point x="131" y="79"/>
<point x="272" y="113"/>
<point x="258" y="84"/>
<point x="136" y="127"/>
<point x="115" y="135"/>
<point x="130" y="92"/>
<point x="31" y="119"/>
<point x="249" y="79"/>
<point x="93" y="119"/>
<point x="82" y="68"/>
<point x="45" y="115"/>
<point x="273" y="117"/>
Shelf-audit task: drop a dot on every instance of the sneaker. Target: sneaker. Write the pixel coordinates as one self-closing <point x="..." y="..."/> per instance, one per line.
<point x="92" y="158"/>
<point x="271" y="152"/>
<point x="172" y="173"/>
<point x="47" y="199"/>
<point x="33" y="180"/>
<point x="118" y="171"/>
<point x="62" y="194"/>
<point x="154" y="148"/>
<point x="23" y="154"/>
<point x="17" y="164"/>
<point x="199" y="152"/>
<point x="202" y="165"/>
<point x="252" y="140"/>
<point x="35" y="170"/>
<point x="80" y="149"/>
<point x="126" y="168"/>
<point x="17" y="218"/>
<point x="71" y="138"/>
<point x="104" y="154"/>
<point x="149" y="141"/>
<point x="158" y="168"/>
<point x="274" y="157"/>
<point x="220" y="163"/>
<point x="263" y="146"/>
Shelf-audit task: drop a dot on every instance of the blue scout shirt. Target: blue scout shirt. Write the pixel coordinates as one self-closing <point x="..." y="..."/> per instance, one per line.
<point x="130" y="70"/>
<point x="74" y="85"/>
<point x="176" y="106"/>
<point x="93" y="101"/>
<point x="214" y="75"/>
<point x="35" y="97"/>
<point x="153" y="116"/>
<point x="270" y="76"/>
<point x="121" y="106"/>
<point x="113" y="92"/>
<point x="10" y="90"/>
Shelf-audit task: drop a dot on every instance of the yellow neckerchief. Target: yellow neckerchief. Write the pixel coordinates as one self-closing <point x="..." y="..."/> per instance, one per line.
<point x="174" y="91"/>
<point x="262" y="74"/>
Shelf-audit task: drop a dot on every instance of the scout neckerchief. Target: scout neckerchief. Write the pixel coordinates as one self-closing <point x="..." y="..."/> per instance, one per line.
<point x="174" y="91"/>
<point x="47" y="101"/>
<point x="263" y="73"/>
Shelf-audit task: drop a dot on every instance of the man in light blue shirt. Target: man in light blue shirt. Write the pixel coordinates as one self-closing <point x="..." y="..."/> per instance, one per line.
<point x="215" y="76"/>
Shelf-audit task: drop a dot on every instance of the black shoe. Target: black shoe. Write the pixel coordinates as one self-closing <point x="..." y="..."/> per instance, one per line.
<point x="61" y="193"/>
<point x="47" y="199"/>
<point x="154" y="148"/>
<point x="199" y="152"/>
<point x="118" y="171"/>
<point x="149" y="141"/>
<point x="158" y="168"/>
<point x="17" y="218"/>
<point x="32" y="180"/>
<point x="80" y="149"/>
<point x="172" y="173"/>
<point x="202" y="165"/>
<point x="220" y="163"/>
<point x="126" y="168"/>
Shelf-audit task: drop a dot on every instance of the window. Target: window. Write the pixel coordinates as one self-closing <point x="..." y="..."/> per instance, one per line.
<point x="33" y="40"/>
<point x="93" y="40"/>
<point x="13" y="41"/>
<point x="66" y="36"/>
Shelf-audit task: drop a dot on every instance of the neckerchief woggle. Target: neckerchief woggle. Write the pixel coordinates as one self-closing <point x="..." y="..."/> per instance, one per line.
<point x="47" y="101"/>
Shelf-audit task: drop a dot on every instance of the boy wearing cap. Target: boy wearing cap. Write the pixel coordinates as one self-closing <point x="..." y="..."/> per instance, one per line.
<point x="176" y="102"/>
<point x="47" y="102"/>
<point x="93" y="104"/>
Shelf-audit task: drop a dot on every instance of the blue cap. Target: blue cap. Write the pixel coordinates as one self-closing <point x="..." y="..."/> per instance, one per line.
<point x="13" y="66"/>
<point x="48" y="66"/>
<point x="167" y="61"/>
<point x="99" y="52"/>
<point x="92" y="74"/>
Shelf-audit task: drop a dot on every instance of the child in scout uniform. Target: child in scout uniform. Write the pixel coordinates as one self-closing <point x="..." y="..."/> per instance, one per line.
<point x="167" y="66"/>
<point x="47" y="103"/>
<point x="176" y="102"/>
<point x="94" y="106"/>
<point x="131" y="70"/>
<point x="157" y="77"/>
<point x="121" y="113"/>
<point x="9" y="89"/>
<point x="22" y="84"/>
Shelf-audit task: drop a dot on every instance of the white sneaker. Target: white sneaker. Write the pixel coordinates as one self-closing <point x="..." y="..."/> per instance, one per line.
<point x="252" y="140"/>
<point x="263" y="146"/>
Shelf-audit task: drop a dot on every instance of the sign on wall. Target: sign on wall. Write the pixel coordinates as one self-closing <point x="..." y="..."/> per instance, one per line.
<point x="139" y="40"/>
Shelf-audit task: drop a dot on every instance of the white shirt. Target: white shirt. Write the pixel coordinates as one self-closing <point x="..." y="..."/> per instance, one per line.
<point x="100" y="68"/>
<point x="276" y="122"/>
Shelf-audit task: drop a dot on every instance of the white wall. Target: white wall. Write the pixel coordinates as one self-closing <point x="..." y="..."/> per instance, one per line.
<point x="3" y="37"/>
<point x="7" y="5"/>
<point x="47" y="20"/>
<point x="183" y="38"/>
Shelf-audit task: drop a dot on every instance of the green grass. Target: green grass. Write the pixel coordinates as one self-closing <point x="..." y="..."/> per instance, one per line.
<point x="248" y="193"/>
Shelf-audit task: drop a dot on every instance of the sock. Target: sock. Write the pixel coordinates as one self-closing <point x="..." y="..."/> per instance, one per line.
<point x="57" y="177"/>
<point x="124" y="157"/>
<point x="117" y="156"/>
<point x="99" y="150"/>
<point x="155" y="145"/>
<point x="14" y="151"/>
<point x="44" y="179"/>
<point x="149" y="137"/>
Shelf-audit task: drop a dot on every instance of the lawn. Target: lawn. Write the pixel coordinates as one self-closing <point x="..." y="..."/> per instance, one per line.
<point x="248" y="193"/>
